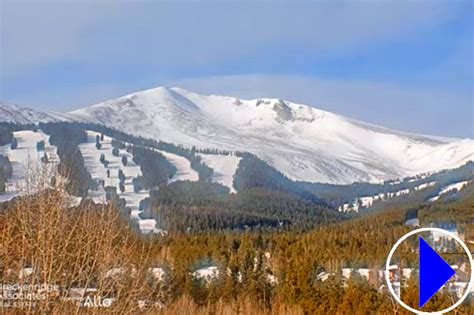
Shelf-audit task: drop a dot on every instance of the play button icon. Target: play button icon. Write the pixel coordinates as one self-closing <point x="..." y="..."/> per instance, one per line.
<point x="434" y="271"/>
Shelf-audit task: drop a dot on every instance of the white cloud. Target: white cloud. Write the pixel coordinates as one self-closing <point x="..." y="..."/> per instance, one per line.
<point x="178" y="35"/>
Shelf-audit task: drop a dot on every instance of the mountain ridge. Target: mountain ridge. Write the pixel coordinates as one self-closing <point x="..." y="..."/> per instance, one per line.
<point x="305" y="143"/>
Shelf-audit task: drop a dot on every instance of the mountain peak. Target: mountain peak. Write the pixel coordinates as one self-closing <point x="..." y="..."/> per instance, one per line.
<point x="301" y="141"/>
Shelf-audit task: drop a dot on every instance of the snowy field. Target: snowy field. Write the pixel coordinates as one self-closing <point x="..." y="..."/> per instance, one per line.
<point x="26" y="161"/>
<point x="224" y="167"/>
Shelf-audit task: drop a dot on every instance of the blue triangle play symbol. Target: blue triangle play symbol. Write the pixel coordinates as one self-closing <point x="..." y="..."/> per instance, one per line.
<point x="434" y="272"/>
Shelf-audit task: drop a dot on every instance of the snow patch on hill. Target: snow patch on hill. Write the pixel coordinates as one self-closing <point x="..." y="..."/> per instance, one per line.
<point x="23" y="115"/>
<point x="184" y="171"/>
<point x="452" y="187"/>
<point x="224" y="167"/>
<point x="425" y="185"/>
<point x="368" y="201"/>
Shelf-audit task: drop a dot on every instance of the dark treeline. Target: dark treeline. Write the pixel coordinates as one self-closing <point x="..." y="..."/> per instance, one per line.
<point x="339" y="194"/>
<point x="5" y="172"/>
<point x="255" y="173"/>
<point x="204" y="171"/>
<point x="246" y="260"/>
<point x="183" y="206"/>
<point x="156" y="169"/>
<point x="67" y="138"/>
<point x="6" y="135"/>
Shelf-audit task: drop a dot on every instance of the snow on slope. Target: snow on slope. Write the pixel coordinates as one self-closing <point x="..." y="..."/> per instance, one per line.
<point x="184" y="170"/>
<point x="26" y="161"/>
<point x="425" y="185"/>
<point x="98" y="173"/>
<point x="368" y="201"/>
<point x="456" y="186"/>
<point x="301" y="141"/>
<point x="22" y="115"/>
<point x="224" y="167"/>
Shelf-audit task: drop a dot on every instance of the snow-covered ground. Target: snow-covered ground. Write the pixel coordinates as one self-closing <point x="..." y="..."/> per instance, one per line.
<point x="224" y="167"/>
<point x="456" y="186"/>
<point x="207" y="274"/>
<point x="368" y="201"/>
<point x="397" y="193"/>
<point x="425" y="185"/>
<point x="26" y="161"/>
<point x="98" y="173"/>
<point x="183" y="167"/>
<point x="158" y="273"/>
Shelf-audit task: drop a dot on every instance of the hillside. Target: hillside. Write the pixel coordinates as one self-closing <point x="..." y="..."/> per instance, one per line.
<point x="10" y="113"/>
<point x="302" y="142"/>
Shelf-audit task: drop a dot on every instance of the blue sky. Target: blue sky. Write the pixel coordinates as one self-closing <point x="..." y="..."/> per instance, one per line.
<point x="402" y="64"/>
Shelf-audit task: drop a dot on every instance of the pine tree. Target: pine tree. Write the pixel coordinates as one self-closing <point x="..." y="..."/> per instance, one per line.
<point x="121" y="176"/>
<point x="2" y="181"/>
<point x="115" y="152"/>
<point x="40" y="146"/>
<point x="98" y="145"/>
<point x="14" y="144"/>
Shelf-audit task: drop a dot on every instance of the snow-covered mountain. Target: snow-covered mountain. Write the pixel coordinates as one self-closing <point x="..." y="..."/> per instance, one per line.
<point x="301" y="141"/>
<point x="23" y="115"/>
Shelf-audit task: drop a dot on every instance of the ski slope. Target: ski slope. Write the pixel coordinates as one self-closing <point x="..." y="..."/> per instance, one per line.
<point x="184" y="171"/>
<point x="98" y="173"/>
<point x="26" y="162"/>
<point x="224" y="167"/>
